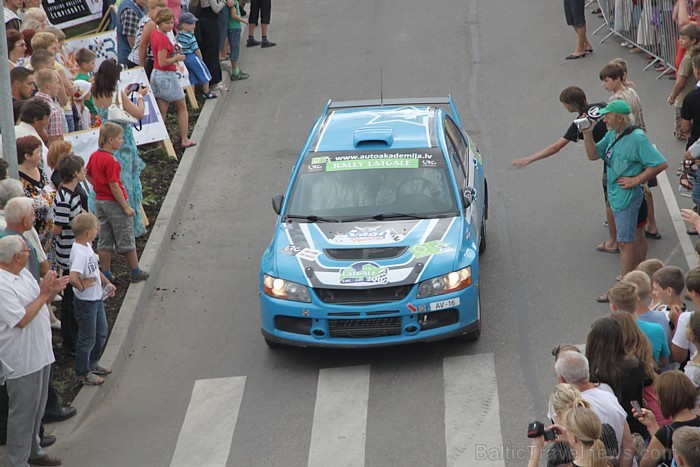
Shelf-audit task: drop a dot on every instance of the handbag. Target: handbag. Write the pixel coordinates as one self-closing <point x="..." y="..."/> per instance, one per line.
<point x="116" y="112"/>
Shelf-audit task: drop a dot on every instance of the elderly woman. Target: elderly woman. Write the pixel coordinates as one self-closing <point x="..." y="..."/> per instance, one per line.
<point x="16" y="48"/>
<point x="37" y="185"/>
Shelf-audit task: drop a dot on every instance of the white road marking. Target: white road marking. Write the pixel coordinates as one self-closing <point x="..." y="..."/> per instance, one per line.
<point x="678" y="224"/>
<point x="472" y="422"/>
<point x="206" y="433"/>
<point x="340" y="418"/>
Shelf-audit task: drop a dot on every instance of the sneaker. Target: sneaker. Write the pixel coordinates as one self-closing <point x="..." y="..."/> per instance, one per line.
<point x="138" y="277"/>
<point x="220" y="86"/>
<point x="252" y="43"/>
<point x="241" y="75"/>
<point x="45" y="460"/>
<point x="266" y="44"/>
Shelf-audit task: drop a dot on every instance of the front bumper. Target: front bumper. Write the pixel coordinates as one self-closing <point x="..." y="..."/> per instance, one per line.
<point x="319" y="324"/>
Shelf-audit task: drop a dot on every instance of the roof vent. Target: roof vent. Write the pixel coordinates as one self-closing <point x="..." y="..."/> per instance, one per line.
<point x="379" y="135"/>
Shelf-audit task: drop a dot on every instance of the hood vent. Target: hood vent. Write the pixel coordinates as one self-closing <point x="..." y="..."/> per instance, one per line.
<point x="351" y="254"/>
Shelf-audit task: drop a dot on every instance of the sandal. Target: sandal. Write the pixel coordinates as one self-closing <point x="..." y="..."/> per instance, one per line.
<point x="603" y="298"/>
<point x="100" y="370"/>
<point x="90" y="379"/>
<point x="189" y="145"/>
<point x="209" y="95"/>
<point x="604" y="248"/>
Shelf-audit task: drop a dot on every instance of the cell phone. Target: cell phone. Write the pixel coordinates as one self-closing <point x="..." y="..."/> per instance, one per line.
<point x="134" y="86"/>
<point x="637" y="408"/>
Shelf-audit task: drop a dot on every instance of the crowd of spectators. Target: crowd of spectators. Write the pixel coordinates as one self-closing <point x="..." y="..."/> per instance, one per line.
<point x="633" y="396"/>
<point x="50" y="217"/>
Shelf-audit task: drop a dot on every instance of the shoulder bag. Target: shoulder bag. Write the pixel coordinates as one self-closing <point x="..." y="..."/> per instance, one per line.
<point x="116" y="112"/>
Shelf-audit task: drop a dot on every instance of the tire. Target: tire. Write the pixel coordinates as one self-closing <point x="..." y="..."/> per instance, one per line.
<point x="273" y="344"/>
<point x="482" y="240"/>
<point x="476" y="333"/>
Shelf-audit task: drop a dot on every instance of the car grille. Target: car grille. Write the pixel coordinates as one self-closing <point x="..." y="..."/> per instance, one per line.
<point x="358" y="295"/>
<point x="373" y="327"/>
<point x="365" y="253"/>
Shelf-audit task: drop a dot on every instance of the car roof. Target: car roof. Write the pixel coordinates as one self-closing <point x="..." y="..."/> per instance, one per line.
<point x="377" y="127"/>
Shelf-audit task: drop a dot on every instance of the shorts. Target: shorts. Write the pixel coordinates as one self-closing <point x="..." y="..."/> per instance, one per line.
<point x="116" y="228"/>
<point x="262" y="8"/>
<point x="199" y="73"/>
<point x="166" y="86"/>
<point x="234" y="42"/>
<point x="575" y="13"/>
<point x="626" y="220"/>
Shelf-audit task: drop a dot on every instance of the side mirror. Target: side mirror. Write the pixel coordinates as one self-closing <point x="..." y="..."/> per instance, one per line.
<point x="277" y="201"/>
<point x="468" y="195"/>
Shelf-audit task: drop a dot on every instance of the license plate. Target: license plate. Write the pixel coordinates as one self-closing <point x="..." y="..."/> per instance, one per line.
<point x="451" y="303"/>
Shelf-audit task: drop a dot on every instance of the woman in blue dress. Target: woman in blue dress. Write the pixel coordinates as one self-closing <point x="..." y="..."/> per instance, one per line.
<point x="103" y="90"/>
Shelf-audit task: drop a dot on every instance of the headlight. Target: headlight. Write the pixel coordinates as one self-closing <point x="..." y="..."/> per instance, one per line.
<point x="280" y="288"/>
<point x="447" y="283"/>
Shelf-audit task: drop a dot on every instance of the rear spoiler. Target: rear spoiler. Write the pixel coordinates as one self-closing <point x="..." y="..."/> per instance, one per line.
<point x="435" y="101"/>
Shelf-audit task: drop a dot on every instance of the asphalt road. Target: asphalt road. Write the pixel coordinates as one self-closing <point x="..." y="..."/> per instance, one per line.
<point x="503" y="63"/>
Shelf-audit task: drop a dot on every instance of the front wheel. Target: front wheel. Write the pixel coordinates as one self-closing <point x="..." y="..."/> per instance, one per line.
<point x="482" y="240"/>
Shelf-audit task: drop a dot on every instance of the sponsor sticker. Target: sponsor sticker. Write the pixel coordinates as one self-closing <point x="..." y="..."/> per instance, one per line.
<point x="441" y="305"/>
<point x="335" y="166"/>
<point x="412" y="308"/>
<point x="430" y="248"/>
<point x="308" y="254"/>
<point x="364" y="272"/>
<point x="375" y="234"/>
<point x="291" y="250"/>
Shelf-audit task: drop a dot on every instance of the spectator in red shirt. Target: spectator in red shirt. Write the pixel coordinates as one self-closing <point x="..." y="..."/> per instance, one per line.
<point x="164" y="80"/>
<point x="112" y="206"/>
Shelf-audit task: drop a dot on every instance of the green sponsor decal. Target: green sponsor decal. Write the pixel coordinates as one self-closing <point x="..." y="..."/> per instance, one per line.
<point x="428" y="249"/>
<point x="366" y="272"/>
<point x="320" y="160"/>
<point x="335" y="166"/>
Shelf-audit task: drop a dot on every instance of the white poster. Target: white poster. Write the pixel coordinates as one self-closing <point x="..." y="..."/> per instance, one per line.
<point x="152" y="127"/>
<point x="103" y="44"/>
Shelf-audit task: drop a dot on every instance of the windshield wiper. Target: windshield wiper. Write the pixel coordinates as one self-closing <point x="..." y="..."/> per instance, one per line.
<point x="311" y="218"/>
<point x="389" y="215"/>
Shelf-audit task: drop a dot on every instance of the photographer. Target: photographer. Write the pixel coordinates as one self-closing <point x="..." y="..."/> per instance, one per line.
<point x="581" y="429"/>
<point x="631" y="161"/>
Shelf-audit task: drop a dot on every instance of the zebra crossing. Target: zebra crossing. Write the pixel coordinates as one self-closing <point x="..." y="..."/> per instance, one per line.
<point x="340" y="418"/>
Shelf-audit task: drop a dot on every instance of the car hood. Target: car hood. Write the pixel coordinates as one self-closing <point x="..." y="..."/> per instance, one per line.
<point x="367" y="254"/>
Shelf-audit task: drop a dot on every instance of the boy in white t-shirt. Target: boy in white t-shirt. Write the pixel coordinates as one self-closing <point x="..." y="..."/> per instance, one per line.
<point x="681" y="347"/>
<point x="87" y="281"/>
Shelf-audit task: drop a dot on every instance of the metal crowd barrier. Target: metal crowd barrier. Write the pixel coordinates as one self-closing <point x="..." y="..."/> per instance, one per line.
<point x="645" y="24"/>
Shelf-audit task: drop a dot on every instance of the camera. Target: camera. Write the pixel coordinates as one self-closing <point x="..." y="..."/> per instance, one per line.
<point x="536" y="429"/>
<point x="582" y="123"/>
<point x="135" y="87"/>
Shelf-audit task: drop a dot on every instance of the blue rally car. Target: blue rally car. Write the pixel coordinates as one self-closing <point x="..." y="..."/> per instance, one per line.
<point x="378" y="237"/>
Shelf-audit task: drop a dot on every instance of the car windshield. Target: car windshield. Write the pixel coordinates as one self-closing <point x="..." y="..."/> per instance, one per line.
<point x="355" y="185"/>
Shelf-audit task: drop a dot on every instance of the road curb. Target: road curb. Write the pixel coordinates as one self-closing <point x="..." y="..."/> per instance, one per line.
<point x="120" y="344"/>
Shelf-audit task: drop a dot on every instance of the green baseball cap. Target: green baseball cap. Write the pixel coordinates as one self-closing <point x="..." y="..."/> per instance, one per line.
<point x="617" y="106"/>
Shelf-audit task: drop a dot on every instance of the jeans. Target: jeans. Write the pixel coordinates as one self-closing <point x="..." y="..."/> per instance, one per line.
<point x="92" y="334"/>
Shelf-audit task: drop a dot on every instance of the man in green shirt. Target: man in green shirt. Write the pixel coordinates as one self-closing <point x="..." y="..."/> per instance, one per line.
<point x="631" y="161"/>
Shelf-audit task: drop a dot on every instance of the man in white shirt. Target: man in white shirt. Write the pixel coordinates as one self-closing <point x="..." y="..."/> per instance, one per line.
<point x="25" y="345"/>
<point x="572" y="367"/>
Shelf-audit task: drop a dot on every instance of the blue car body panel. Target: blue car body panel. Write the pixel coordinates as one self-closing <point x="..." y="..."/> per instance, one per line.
<point x="363" y="276"/>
